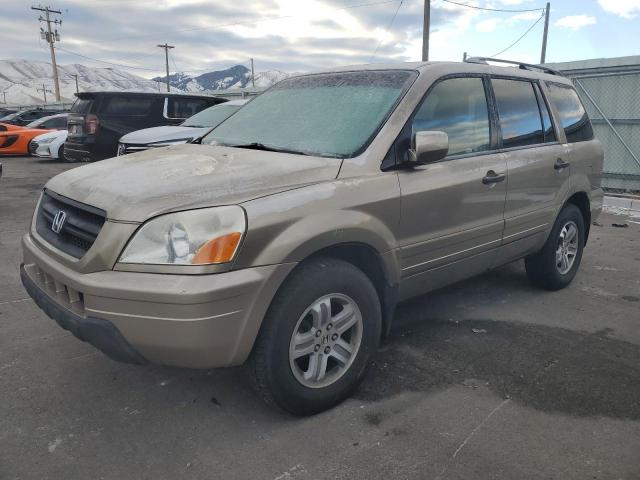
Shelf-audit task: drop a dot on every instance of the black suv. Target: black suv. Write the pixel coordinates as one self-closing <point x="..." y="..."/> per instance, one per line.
<point x="24" y="117"/>
<point x="98" y="119"/>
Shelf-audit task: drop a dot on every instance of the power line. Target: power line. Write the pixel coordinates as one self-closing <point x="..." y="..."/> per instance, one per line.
<point x="108" y="63"/>
<point x="519" y="38"/>
<point x="493" y="9"/>
<point x="386" y="30"/>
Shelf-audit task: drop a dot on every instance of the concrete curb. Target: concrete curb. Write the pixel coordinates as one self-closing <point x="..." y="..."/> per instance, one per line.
<point x="622" y="205"/>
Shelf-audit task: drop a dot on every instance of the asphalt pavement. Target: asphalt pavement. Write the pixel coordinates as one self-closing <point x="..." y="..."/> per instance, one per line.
<point x="486" y="379"/>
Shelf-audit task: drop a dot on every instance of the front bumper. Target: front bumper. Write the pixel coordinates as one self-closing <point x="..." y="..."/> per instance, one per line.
<point x="198" y="321"/>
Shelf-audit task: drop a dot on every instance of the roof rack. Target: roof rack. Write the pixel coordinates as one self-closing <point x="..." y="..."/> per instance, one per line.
<point x="521" y="65"/>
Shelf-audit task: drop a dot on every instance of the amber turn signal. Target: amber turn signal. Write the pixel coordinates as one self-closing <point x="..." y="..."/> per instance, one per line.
<point x="217" y="250"/>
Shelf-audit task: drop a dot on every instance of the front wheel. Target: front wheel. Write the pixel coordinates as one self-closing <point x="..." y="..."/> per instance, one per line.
<point x="554" y="267"/>
<point x="317" y="337"/>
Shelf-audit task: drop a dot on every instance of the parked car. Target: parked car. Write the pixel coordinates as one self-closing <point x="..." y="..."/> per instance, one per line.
<point x="193" y="128"/>
<point x="49" y="145"/>
<point x="287" y="237"/>
<point x="6" y="111"/>
<point x="16" y="141"/>
<point x="99" y="119"/>
<point x="25" y="117"/>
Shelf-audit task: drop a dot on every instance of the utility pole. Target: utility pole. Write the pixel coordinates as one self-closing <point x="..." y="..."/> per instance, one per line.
<point x="425" y="30"/>
<point x="166" y="47"/>
<point x="51" y="37"/>
<point x="4" y="97"/>
<point x="253" y="77"/>
<point x="543" y="54"/>
<point x="464" y="57"/>
<point x="44" y="91"/>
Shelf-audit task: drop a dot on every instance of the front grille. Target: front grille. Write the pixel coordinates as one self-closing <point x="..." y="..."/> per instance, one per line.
<point x="33" y="146"/>
<point x="79" y="228"/>
<point x="125" y="148"/>
<point x="65" y="295"/>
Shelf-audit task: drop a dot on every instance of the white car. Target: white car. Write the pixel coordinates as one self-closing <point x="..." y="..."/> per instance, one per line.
<point x="49" y="145"/>
<point x="191" y="129"/>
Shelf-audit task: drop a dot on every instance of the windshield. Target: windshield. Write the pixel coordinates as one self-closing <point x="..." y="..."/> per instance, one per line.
<point x="212" y="116"/>
<point x="333" y="114"/>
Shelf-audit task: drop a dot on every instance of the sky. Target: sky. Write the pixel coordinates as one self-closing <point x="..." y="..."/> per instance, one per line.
<point x="306" y="35"/>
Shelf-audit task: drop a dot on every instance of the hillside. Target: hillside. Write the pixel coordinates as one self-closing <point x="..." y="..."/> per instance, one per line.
<point x="237" y="76"/>
<point x="21" y="79"/>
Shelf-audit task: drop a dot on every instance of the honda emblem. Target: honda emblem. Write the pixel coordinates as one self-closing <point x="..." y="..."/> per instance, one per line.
<point x="58" y="221"/>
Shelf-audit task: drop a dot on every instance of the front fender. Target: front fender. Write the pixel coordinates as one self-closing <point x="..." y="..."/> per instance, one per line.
<point x="291" y="226"/>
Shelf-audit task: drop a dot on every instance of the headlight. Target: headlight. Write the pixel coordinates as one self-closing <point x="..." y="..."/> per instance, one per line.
<point x="168" y="143"/>
<point x="195" y="237"/>
<point x="45" y="141"/>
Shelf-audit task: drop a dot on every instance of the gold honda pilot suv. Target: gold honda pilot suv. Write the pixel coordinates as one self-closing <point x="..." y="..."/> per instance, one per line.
<point x="285" y="239"/>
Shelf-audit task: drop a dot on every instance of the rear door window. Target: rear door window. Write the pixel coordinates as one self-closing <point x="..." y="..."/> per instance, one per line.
<point x="573" y="117"/>
<point x="457" y="106"/>
<point x="184" y="107"/>
<point x="128" y="106"/>
<point x="518" y="112"/>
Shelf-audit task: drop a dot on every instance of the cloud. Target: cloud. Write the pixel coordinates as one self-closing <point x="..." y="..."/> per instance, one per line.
<point x="623" y="8"/>
<point x="488" y="25"/>
<point x="575" y="22"/>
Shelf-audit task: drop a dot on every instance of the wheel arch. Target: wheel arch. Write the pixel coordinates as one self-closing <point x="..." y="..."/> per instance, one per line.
<point x="581" y="200"/>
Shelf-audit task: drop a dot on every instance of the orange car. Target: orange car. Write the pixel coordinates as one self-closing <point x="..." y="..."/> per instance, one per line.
<point x="15" y="140"/>
<point x="5" y="127"/>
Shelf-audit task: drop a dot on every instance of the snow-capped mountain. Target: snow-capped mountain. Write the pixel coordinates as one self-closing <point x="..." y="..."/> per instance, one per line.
<point x="21" y="80"/>
<point x="237" y="76"/>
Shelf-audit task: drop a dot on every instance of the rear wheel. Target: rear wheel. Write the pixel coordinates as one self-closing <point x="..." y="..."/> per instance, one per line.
<point x="317" y="337"/>
<point x="61" y="153"/>
<point x="555" y="266"/>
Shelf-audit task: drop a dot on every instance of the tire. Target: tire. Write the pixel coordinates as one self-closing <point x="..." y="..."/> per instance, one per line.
<point x="61" y="153"/>
<point x="547" y="269"/>
<point x="297" y="308"/>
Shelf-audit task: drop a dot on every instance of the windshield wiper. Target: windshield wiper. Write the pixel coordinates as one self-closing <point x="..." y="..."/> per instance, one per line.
<point x="267" y="148"/>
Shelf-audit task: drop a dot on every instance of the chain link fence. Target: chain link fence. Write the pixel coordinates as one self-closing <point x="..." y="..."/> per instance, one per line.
<point x="613" y="103"/>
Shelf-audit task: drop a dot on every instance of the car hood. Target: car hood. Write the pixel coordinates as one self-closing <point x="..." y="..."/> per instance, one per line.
<point x="138" y="186"/>
<point x="162" y="134"/>
<point x="51" y="134"/>
<point x="25" y="132"/>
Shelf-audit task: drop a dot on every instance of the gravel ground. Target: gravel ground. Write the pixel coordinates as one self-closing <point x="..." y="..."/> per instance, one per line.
<point x="489" y="378"/>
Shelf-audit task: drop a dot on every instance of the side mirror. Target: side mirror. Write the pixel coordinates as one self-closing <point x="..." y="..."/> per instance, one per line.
<point x="428" y="146"/>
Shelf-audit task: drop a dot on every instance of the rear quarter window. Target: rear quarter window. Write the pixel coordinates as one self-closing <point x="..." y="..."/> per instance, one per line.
<point x="127" y="106"/>
<point x="81" y="105"/>
<point x="573" y="117"/>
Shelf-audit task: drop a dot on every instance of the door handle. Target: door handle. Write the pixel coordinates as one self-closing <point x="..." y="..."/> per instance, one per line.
<point x="493" y="177"/>
<point x="560" y="164"/>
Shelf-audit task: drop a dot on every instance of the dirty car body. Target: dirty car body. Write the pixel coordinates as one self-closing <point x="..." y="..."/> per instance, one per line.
<point x="364" y="194"/>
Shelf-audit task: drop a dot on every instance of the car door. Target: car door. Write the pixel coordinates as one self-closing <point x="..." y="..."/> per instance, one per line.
<point x="452" y="209"/>
<point x="536" y="162"/>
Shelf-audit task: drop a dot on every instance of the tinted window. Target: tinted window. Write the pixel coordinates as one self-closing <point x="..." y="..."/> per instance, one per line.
<point x="547" y="125"/>
<point x="573" y="117"/>
<point x="129" y="106"/>
<point x="81" y="105"/>
<point x="332" y="114"/>
<point x="457" y="106"/>
<point x="518" y="112"/>
<point x="184" y="107"/>
<point x="59" y="122"/>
